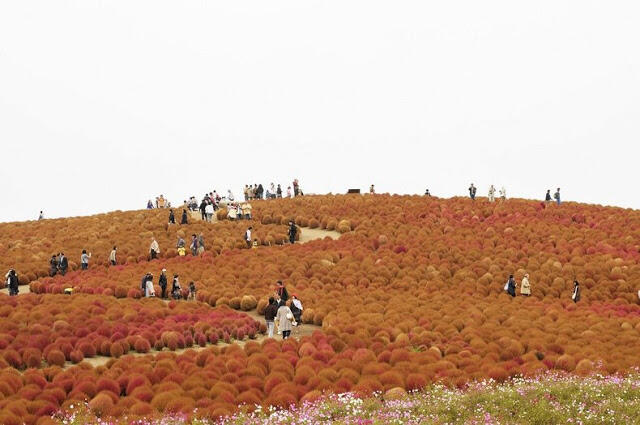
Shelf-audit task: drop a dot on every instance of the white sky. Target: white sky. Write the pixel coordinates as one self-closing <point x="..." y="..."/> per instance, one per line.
<point x="105" y="104"/>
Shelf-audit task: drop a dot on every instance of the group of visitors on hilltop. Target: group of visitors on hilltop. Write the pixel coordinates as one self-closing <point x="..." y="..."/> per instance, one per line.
<point x="525" y="287"/>
<point x="278" y="313"/>
<point x="491" y="195"/>
<point x="257" y="191"/>
<point x="161" y="202"/>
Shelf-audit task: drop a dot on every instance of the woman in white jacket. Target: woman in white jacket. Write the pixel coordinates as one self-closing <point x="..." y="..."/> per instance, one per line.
<point x="285" y="320"/>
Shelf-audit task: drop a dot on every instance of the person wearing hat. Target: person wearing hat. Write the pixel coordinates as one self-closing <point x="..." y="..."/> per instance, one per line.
<point x="525" y="286"/>
<point x="176" y="290"/>
<point x="162" y="281"/>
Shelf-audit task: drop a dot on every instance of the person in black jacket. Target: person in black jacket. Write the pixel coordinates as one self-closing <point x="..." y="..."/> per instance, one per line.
<point x="281" y="292"/>
<point x="176" y="290"/>
<point x="184" y="217"/>
<point x="53" y="266"/>
<point x="511" y="286"/>
<point x="293" y="230"/>
<point x="279" y="192"/>
<point x="12" y="282"/>
<point x="576" y="291"/>
<point x="172" y="217"/>
<point x="270" y="314"/>
<point x="162" y="281"/>
<point x="202" y="208"/>
<point x="63" y="264"/>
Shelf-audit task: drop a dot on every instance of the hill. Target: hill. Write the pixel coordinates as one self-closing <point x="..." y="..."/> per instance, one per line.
<point x="411" y="294"/>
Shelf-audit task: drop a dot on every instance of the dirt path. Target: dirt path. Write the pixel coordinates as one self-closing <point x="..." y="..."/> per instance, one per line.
<point x="300" y="331"/>
<point x="307" y="235"/>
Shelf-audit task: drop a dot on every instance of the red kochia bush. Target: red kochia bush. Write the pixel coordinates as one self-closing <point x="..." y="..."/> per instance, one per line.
<point x="101" y="404"/>
<point x="56" y="358"/>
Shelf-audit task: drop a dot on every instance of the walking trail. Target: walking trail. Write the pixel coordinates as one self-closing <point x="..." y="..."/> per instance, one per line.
<point x="307" y="235"/>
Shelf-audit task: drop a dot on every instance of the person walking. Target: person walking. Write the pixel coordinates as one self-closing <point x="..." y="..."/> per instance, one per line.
<point x="547" y="197"/>
<point x="270" y="313"/>
<point x="296" y="187"/>
<point x="556" y="196"/>
<point x="154" y="249"/>
<point x="162" y="281"/>
<point x="53" y="265"/>
<point x="12" y="282"/>
<point x="285" y="320"/>
<point x="293" y="231"/>
<point x="372" y="190"/>
<point x="279" y="192"/>
<point x="149" y="291"/>
<point x="172" y="217"/>
<point x="203" y="209"/>
<point x="84" y="259"/>
<point x="112" y="256"/>
<point x="576" y="291"/>
<point x="201" y="246"/>
<point x="511" y="286"/>
<point x="194" y="245"/>
<point x="63" y="264"/>
<point x="492" y="193"/>
<point x="525" y="286"/>
<point x="247" y="236"/>
<point x="184" y="217"/>
<point x="472" y="192"/>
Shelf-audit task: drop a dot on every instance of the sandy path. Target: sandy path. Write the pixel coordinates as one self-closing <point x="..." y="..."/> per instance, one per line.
<point x="300" y="331"/>
<point x="307" y="235"/>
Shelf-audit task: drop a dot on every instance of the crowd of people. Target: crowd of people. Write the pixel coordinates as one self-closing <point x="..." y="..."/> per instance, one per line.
<point x="278" y="314"/>
<point x="148" y="291"/>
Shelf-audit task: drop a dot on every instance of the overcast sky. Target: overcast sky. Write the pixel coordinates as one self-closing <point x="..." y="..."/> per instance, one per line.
<point x="105" y="104"/>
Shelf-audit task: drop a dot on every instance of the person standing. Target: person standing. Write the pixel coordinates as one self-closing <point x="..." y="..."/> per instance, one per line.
<point x="192" y="291"/>
<point x="230" y="195"/>
<point x="53" y="266"/>
<point x="63" y="264"/>
<point x="503" y="194"/>
<point x="194" y="245"/>
<point x="293" y="231"/>
<point x="285" y="320"/>
<point x="281" y="292"/>
<point x="12" y="282"/>
<point x="184" y="217"/>
<point x="472" y="192"/>
<point x="525" y="286"/>
<point x="547" y="197"/>
<point x="203" y="210"/>
<point x="279" y="191"/>
<point x="296" y="187"/>
<point x="296" y="309"/>
<point x="84" y="259"/>
<point x="172" y="217"/>
<point x="200" y="243"/>
<point x="492" y="193"/>
<point x="162" y="281"/>
<point x="176" y="290"/>
<point x="41" y="216"/>
<point x="208" y="210"/>
<point x="270" y="313"/>
<point x="112" y="256"/>
<point x="154" y="249"/>
<point x="372" y="190"/>
<point x="427" y="193"/>
<point x="556" y="196"/>
<point x="511" y="286"/>
<point x="272" y="190"/>
<point x="247" y="236"/>
<point x="246" y="210"/>
<point x="149" y="205"/>
<point x="576" y="291"/>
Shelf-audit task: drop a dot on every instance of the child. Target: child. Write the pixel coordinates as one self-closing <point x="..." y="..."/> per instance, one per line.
<point x="182" y="251"/>
<point x="192" y="291"/>
<point x="175" y="288"/>
<point x="255" y="243"/>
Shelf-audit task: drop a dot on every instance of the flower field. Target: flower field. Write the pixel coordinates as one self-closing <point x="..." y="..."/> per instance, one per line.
<point x="409" y="297"/>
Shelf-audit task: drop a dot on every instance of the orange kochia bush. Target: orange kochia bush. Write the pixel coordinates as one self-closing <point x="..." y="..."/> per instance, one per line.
<point x="50" y="329"/>
<point x="410" y="294"/>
